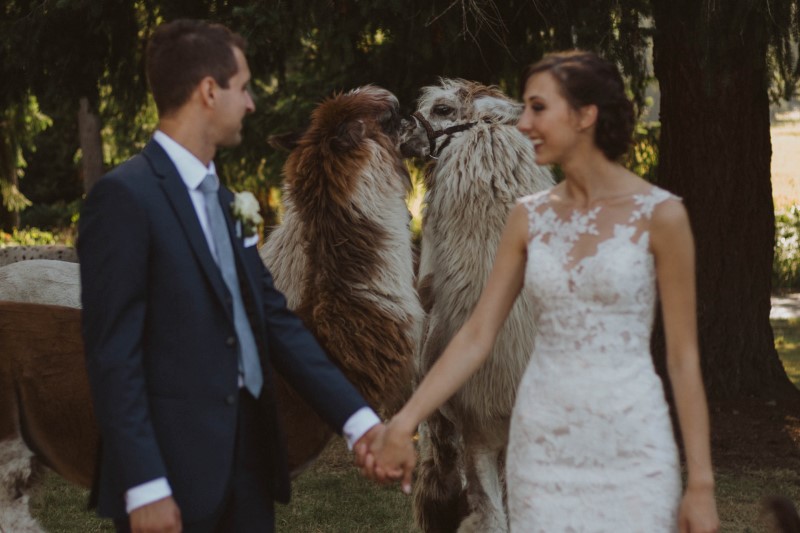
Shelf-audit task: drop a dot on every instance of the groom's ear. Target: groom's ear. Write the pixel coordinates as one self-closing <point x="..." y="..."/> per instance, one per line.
<point x="206" y="91"/>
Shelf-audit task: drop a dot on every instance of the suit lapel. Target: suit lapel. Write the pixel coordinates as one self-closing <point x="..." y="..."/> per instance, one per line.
<point x="175" y="190"/>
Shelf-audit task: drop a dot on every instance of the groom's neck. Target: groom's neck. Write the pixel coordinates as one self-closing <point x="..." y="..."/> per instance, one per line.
<point x="191" y="133"/>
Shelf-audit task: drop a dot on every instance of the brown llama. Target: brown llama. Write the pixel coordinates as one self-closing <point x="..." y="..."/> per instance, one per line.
<point x="481" y="165"/>
<point x="44" y="391"/>
<point x="342" y="256"/>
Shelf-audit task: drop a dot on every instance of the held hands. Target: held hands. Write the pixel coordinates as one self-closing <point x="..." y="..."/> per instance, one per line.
<point x="698" y="511"/>
<point x="161" y="516"/>
<point x="386" y="453"/>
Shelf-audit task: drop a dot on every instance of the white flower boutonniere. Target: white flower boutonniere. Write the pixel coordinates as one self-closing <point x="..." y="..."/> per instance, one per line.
<point x="246" y="210"/>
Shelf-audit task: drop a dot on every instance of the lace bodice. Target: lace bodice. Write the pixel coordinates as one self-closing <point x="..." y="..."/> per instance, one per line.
<point x="591" y="445"/>
<point x="591" y="274"/>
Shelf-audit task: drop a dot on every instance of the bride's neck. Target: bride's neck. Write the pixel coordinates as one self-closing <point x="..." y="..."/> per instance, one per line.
<point x="593" y="178"/>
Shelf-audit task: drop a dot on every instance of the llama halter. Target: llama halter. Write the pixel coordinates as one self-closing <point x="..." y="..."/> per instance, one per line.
<point x="435" y="134"/>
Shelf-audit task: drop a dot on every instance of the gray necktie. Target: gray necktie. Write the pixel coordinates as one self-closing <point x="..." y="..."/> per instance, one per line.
<point x="248" y="352"/>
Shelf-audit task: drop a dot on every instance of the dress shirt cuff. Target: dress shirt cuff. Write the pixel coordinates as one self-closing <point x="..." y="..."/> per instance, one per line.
<point x="146" y="493"/>
<point x="359" y="423"/>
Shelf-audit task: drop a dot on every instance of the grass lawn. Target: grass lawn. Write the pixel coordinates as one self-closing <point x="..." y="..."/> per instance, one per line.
<point x="332" y="498"/>
<point x="739" y="495"/>
<point x="335" y="499"/>
<point x="787" y="342"/>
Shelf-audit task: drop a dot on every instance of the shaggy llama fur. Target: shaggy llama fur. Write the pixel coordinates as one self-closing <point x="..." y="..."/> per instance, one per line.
<point x="59" y="418"/>
<point x="55" y="252"/>
<point x="16" y="476"/>
<point x="781" y="513"/>
<point x="43" y="281"/>
<point x="471" y="188"/>
<point x="342" y="255"/>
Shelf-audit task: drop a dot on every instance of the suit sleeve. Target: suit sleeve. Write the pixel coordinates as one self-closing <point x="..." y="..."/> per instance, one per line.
<point x="298" y="357"/>
<point x="113" y="250"/>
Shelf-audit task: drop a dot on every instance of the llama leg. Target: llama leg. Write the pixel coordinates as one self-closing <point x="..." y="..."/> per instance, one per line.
<point x="485" y="491"/>
<point x="438" y="485"/>
<point x="16" y="477"/>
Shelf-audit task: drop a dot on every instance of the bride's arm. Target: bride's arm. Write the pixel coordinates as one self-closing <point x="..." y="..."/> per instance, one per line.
<point x="467" y="350"/>
<point x="673" y="247"/>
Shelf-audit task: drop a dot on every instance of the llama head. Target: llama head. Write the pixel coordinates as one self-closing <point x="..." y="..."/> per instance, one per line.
<point x="451" y="104"/>
<point x="351" y="142"/>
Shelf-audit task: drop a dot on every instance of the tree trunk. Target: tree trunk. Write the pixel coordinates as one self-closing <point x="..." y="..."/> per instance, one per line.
<point x="91" y="144"/>
<point x="715" y="152"/>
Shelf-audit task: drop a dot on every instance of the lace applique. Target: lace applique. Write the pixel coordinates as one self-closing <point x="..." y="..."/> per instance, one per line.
<point x="564" y="234"/>
<point x="591" y="445"/>
<point x="647" y="202"/>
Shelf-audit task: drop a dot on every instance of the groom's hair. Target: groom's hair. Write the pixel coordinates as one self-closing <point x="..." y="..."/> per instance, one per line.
<point x="183" y="52"/>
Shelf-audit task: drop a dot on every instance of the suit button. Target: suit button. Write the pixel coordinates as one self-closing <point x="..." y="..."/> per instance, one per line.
<point x="230" y="399"/>
<point x="231" y="341"/>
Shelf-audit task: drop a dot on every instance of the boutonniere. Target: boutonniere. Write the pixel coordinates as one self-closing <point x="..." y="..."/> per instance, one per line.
<point x="246" y="210"/>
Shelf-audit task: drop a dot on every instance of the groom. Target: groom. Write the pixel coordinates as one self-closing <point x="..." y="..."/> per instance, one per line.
<point x="181" y="321"/>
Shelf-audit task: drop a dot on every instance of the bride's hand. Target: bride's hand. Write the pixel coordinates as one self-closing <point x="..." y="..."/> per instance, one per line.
<point x="698" y="511"/>
<point x="394" y="454"/>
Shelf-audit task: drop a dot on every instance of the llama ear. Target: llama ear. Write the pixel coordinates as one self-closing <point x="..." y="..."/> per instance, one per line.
<point x="285" y="142"/>
<point x="348" y="135"/>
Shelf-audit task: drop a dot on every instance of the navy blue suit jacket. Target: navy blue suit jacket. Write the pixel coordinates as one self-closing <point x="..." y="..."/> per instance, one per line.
<point x="160" y="342"/>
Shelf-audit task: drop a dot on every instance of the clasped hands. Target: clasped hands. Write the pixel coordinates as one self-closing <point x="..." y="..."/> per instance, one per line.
<point x="386" y="453"/>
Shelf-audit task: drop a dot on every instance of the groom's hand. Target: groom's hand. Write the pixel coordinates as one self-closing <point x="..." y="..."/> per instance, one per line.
<point x="364" y="460"/>
<point x="387" y="456"/>
<point x="161" y="516"/>
<point x="395" y="456"/>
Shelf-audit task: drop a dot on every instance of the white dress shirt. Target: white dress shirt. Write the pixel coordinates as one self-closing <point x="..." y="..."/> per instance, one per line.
<point x="192" y="171"/>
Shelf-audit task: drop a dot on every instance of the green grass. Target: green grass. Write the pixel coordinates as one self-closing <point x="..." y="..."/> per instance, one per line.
<point x="787" y="342"/>
<point x="331" y="497"/>
<point x="740" y="492"/>
<point x="61" y="507"/>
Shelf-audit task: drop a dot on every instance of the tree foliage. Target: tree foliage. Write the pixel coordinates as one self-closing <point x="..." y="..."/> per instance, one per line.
<point x="303" y="51"/>
<point x="718" y="62"/>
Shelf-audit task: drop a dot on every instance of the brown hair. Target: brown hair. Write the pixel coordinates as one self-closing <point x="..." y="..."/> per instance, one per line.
<point x="183" y="52"/>
<point x="587" y="79"/>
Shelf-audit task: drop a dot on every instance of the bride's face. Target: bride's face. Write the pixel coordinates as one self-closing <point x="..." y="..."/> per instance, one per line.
<point x="548" y="119"/>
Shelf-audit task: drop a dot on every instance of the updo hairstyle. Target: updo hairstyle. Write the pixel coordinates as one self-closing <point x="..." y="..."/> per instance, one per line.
<point x="586" y="79"/>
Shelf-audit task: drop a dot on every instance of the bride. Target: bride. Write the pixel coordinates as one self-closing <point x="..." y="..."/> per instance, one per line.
<point x="591" y="445"/>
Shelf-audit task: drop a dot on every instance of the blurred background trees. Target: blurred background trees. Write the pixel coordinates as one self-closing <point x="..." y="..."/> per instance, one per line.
<point x="73" y="102"/>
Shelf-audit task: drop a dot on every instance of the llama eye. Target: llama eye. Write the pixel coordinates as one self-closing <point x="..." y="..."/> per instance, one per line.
<point x="389" y="121"/>
<point x="385" y="117"/>
<point x="442" y="109"/>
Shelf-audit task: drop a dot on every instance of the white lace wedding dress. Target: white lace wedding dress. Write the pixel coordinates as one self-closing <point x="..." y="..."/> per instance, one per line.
<point x="591" y="446"/>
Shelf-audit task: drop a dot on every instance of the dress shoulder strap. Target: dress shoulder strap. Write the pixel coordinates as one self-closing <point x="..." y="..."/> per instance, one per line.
<point x="532" y="202"/>
<point x="645" y="203"/>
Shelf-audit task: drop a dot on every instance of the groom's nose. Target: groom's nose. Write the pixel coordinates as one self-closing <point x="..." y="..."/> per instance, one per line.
<point x="250" y="105"/>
